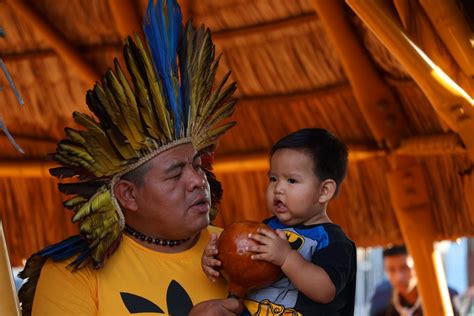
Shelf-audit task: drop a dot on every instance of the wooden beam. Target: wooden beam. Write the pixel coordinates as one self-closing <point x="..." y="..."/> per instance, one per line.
<point x="45" y="53"/>
<point x="449" y="101"/>
<point x="452" y="27"/>
<point x="297" y="96"/>
<point x="378" y="105"/>
<point x="410" y="198"/>
<point x="57" y="41"/>
<point x="421" y="31"/>
<point x="429" y="145"/>
<point x="439" y="144"/>
<point x="259" y="161"/>
<point x="126" y="18"/>
<point x="185" y="10"/>
<point x="26" y="169"/>
<point x="263" y="28"/>
<point x="33" y="147"/>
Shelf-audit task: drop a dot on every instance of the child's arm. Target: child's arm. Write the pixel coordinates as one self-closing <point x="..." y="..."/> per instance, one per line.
<point x="208" y="260"/>
<point x="308" y="278"/>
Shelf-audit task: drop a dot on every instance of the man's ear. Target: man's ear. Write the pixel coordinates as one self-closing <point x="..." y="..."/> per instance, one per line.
<point x="327" y="190"/>
<point x="125" y="193"/>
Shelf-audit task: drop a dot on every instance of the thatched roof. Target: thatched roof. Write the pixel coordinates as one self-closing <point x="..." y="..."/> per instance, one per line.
<point x="290" y="75"/>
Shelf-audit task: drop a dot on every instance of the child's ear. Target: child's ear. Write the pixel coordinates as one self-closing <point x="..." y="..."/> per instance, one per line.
<point x="125" y="193"/>
<point x="327" y="190"/>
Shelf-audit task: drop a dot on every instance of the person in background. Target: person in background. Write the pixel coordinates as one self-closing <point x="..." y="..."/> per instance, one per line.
<point x="399" y="296"/>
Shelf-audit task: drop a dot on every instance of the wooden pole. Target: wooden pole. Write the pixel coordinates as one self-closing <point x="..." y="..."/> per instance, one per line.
<point x="421" y="31"/>
<point x="410" y="199"/>
<point x="375" y="99"/>
<point x="452" y="27"/>
<point x="449" y="101"/>
<point x="9" y="305"/>
<point x="57" y="41"/>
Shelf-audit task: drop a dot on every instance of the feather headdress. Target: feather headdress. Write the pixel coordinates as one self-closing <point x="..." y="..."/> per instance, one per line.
<point x="172" y="99"/>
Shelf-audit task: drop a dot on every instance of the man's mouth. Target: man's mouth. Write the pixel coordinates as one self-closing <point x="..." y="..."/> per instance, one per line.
<point x="201" y="205"/>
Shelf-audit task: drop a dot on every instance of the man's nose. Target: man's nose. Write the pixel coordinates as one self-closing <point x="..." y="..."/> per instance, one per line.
<point x="197" y="179"/>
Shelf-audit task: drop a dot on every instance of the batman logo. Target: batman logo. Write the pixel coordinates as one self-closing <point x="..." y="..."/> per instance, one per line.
<point x="177" y="300"/>
<point x="296" y="241"/>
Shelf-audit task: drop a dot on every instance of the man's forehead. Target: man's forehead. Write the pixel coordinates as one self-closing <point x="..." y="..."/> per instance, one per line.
<point x="181" y="153"/>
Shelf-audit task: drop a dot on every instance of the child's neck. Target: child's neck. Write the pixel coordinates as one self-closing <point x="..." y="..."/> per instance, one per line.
<point x="319" y="218"/>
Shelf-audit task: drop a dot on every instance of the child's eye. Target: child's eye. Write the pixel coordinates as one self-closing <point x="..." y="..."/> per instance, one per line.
<point x="272" y="179"/>
<point x="292" y="181"/>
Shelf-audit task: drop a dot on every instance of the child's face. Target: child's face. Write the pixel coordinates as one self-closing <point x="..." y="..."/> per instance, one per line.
<point x="293" y="191"/>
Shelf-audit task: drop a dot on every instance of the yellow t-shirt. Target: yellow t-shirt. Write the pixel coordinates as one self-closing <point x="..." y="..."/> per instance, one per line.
<point x="134" y="280"/>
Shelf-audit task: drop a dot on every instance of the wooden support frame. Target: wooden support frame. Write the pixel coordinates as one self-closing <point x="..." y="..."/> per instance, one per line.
<point x="452" y="27"/>
<point x="421" y="31"/>
<point x="272" y="26"/>
<point x="411" y="202"/>
<point x="449" y="101"/>
<point x="58" y="42"/>
<point x="441" y="144"/>
<point x="126" y="17"/>
<point x="376" y="101"/>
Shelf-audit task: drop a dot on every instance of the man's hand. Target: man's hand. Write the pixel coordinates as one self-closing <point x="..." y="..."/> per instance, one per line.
<point x="224" y="307"/>
<point x="271" y="247"/>
<point x="208" y="260"/>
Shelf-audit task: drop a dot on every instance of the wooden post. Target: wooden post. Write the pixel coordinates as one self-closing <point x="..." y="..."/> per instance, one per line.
<point x="411" y="203"/>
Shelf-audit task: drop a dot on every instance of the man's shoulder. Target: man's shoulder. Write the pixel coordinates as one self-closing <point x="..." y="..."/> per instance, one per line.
<point x="51" y="267"/>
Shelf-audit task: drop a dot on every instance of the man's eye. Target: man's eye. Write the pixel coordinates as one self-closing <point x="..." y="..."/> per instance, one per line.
<point x="175" y="177"/>
<point x="292" y="181"/>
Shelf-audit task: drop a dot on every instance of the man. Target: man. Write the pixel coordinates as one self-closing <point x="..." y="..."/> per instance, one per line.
<point x="399" y="296"/>
<point x="144" y="191"/>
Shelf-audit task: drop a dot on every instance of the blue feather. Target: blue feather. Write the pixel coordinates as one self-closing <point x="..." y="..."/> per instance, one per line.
<point x="65" y="249"/>
<point x="162" y="33"/>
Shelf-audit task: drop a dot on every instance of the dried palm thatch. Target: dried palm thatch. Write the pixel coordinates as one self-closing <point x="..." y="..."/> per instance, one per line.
<point x="290" y="76"/>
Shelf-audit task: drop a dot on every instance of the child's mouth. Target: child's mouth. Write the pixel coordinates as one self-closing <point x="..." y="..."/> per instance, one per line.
<point x="279" y="206"/>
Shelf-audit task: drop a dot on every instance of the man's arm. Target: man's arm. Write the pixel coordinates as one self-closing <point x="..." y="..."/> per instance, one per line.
<point x="62" y="292"/>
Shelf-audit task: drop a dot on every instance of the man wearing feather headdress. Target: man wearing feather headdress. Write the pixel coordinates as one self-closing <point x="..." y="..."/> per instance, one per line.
<point x="144" y="193"/>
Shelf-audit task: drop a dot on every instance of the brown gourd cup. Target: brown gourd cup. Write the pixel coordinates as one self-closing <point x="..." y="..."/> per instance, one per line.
<point x="241" y="272"/>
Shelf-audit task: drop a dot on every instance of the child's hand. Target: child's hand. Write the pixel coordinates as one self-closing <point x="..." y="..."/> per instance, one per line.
<point x="208" y="261"/>
<point x="272" y="247"/>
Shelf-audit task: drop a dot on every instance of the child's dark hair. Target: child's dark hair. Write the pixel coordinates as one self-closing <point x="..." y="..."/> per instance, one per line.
<point x="328" y="152"/>
<point x="395" y="251"/>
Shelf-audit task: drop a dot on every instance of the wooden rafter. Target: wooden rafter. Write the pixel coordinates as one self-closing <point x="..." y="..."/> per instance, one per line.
<point x="185" y="9"/>
<point x="44" y="53"/>
<point x="421" y="31"/>
<point x="126" y="17"/>
<point x="376" y="101"/>
<point x="449" y="101"/>
<point x="263" y="28"/>
<point x="441" y="144"/>
<point x="452" y="27"/>
<point x="57" y="41"/>
<point x="251" y="100"/>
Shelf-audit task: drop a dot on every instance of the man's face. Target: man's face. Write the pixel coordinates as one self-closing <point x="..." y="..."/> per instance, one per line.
<point x="400" y="273"/>
<point x="174" y="200"/>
